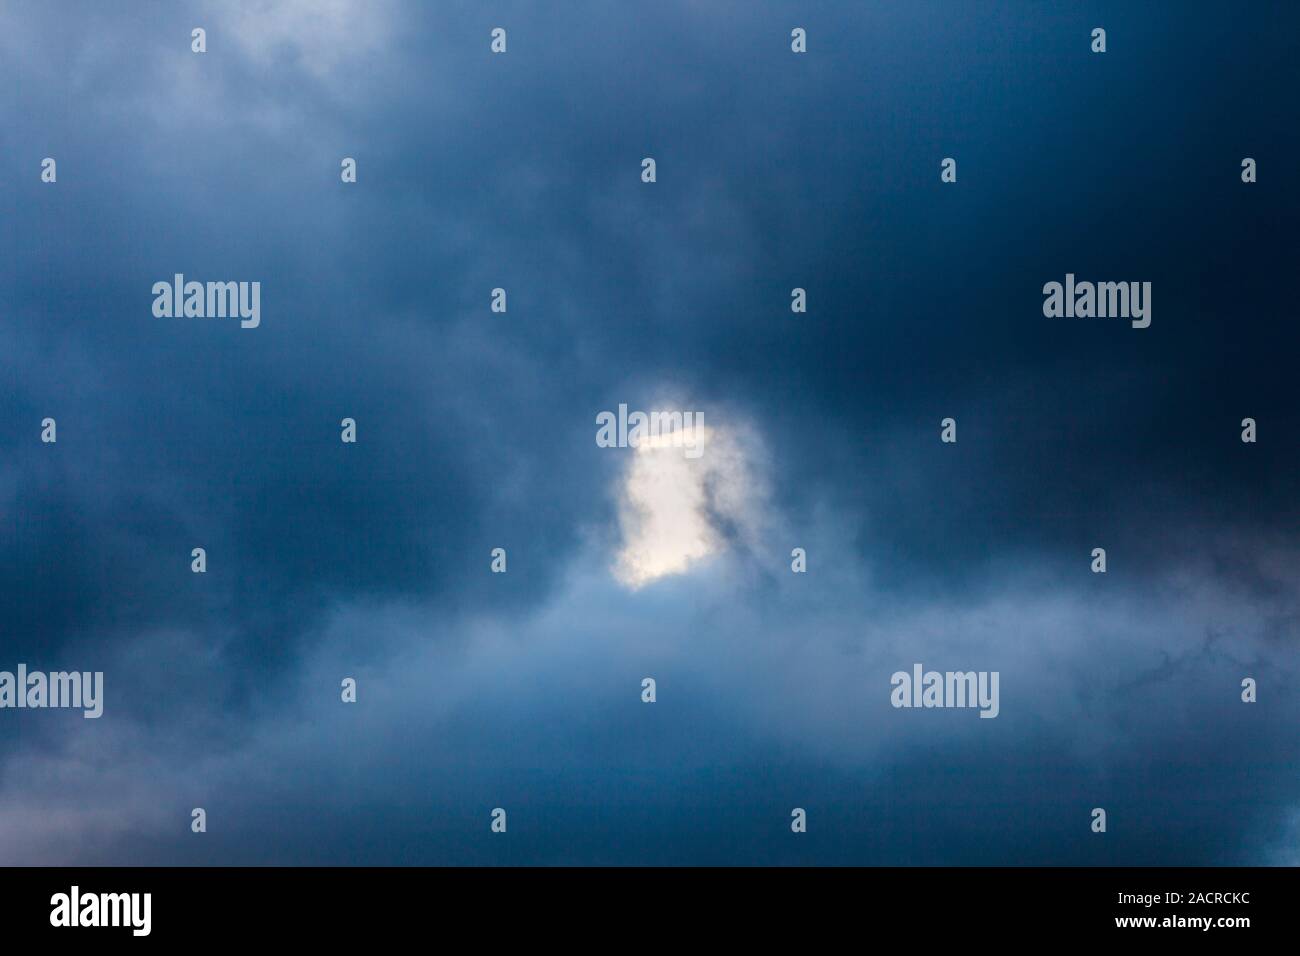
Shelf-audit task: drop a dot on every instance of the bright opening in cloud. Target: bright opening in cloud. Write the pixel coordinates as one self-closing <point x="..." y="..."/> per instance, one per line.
<point x="675" y="511"/>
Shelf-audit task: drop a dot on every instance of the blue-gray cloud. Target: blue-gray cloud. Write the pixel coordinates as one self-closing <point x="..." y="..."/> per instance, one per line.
<point x="476" y="430"/>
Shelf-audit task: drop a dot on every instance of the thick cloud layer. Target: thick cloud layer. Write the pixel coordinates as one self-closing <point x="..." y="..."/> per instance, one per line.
<point x="475" y="431"/>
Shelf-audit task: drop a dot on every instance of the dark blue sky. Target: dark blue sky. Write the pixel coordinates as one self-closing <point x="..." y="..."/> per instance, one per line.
<point x="476" y="430"/>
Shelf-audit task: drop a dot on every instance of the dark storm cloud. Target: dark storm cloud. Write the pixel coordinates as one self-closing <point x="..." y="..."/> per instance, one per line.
<point x="476" y="429"/>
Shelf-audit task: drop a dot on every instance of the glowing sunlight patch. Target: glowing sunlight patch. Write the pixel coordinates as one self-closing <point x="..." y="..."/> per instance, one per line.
<point x="672" y="508"/>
